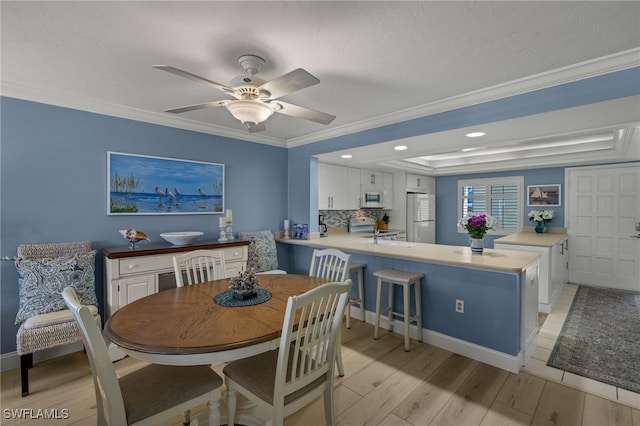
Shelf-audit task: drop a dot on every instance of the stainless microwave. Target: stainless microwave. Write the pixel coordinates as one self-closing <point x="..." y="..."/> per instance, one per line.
<point x="371" y="199"/>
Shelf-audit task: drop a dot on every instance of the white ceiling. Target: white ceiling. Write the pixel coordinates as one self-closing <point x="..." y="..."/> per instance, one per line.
<point x="378" y="63"/>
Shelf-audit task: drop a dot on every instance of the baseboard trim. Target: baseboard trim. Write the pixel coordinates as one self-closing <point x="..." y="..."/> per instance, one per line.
<point x="11" y="360"/>
<point x="471" y="350"/>
<point x="511" y="363"/>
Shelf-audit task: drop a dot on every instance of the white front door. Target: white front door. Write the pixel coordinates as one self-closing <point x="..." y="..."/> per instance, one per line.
<point x="603" y="205"/>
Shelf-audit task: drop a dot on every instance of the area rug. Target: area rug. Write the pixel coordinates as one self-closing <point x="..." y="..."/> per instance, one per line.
<point x="600" y="338"/>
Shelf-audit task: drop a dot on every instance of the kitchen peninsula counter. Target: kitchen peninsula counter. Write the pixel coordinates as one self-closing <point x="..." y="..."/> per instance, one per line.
<point x="499" y="290"/>
<point x="491" y="259"/>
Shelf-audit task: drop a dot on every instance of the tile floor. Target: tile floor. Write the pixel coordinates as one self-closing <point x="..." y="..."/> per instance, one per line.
<point x="547" y="336"/>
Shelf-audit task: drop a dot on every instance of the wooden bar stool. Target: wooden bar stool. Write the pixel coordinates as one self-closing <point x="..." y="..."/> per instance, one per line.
<point x="404" y="279"/>
<point x="357" y="268"/>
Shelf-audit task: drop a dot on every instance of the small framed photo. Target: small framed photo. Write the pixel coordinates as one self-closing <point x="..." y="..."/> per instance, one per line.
<point x="300" y="231"/>
<point x="544" y="195"/>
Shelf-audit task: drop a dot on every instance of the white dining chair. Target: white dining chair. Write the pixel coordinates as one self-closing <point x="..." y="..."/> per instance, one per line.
<point x="198" y="266"/>
<point x="284" y="380"/>
<point x="146" y="396"/>
<point x="331" y="264"/>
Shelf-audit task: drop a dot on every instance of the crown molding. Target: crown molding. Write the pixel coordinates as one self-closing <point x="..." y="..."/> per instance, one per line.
<point x="34" y="94"/>
<point x="604" y="65"/>
<point x="580" y="71"/>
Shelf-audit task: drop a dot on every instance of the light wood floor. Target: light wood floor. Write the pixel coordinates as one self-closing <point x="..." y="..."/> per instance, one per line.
<point x="384" y="385"/>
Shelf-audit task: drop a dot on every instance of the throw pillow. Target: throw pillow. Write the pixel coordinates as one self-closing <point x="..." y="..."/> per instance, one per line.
<point x="41" y="282"/>
<point x="262" y="252"/>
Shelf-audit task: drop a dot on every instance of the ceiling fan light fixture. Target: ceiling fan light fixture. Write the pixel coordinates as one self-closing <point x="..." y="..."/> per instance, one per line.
<point x="249" y="112"/>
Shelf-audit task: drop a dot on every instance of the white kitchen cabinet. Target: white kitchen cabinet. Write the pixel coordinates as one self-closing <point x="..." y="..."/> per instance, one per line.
<point x="553" y="266"/>
<point x="421" y="184"/>
<point x="387" y="190"/>
<point x="529" y="313"/>
<point x="353" y="188"/>
<point x="381" y="182"/>
<point x="338" y="187"/>
<point x="133" y="274"/>
<point x="371" y="179"/>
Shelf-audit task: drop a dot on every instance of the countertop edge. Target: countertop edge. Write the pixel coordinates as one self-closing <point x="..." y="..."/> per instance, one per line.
<point x="532" y="239"/>
<point x="402" y="253"/>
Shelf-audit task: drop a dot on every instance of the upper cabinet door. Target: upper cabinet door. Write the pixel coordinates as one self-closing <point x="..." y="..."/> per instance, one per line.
<point x="419" y="183"/>
<point x="371" y="178"/>
<point x="332" y="187"/>
<point x="324" y="199"/>
<point x="353" y="189"/>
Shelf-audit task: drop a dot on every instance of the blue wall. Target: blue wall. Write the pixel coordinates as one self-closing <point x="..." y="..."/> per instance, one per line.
<point x="53" y="182"/>
<point x="53" y="171"/>
<point x="447" y="202"/>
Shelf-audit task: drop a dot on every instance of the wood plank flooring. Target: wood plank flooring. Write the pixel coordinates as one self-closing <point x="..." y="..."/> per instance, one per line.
<point x="383" y="385"/>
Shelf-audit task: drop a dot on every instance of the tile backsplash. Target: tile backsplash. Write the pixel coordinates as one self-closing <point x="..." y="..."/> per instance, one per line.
<point x="338" y="218"/>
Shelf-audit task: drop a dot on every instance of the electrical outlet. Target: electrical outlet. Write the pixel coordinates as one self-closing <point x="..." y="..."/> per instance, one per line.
<point x="460" y="306"/>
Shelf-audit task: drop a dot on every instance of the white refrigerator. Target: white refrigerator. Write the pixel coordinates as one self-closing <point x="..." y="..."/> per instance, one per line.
<point x="421" y="218"/>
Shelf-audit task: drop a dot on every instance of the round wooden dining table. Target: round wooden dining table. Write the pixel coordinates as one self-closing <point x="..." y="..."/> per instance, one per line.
<point x="185" y="326"/>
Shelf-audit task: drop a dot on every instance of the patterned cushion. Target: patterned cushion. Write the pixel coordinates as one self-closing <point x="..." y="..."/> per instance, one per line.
<point x="263" y="255"/>
<point x="41" y="282"/>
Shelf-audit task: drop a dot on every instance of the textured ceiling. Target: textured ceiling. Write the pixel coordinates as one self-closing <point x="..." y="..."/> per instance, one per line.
<point x="378" y="62"/>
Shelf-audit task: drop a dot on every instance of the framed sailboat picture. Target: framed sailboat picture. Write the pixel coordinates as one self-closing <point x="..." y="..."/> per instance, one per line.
<point x="544" y="195"/>
<point x="146" y="185"/>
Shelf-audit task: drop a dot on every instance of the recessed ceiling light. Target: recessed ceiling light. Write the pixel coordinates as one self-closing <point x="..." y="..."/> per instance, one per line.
<point x="346" y="156"/>
<point x="475" y="134"/>
<point x="400" y="148"/>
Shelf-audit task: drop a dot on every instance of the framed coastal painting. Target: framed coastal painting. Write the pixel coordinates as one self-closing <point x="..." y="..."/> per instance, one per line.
<point x="146" y="185"/>
<point x="544" y="195"/>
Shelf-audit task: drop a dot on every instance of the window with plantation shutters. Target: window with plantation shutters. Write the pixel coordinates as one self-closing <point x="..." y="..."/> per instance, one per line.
<point x="499" y="197"/>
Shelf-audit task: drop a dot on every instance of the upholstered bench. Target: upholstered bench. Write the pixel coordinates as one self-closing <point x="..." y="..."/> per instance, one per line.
<point x="44" y="270"/>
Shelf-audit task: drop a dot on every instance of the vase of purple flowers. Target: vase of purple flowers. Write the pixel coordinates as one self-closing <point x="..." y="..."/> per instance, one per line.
<point x="477" y="225"/>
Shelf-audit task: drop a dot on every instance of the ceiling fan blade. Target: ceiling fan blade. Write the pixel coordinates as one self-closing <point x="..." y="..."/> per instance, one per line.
<point x="195" y="107"/>
<point x="288" y="83"/>
<point x="306" y="113"/>
<point x="260" y="127"/>
<point x="196" y="78"/>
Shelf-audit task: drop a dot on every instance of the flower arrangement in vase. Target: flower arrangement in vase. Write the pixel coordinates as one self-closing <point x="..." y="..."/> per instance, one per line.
<point x="477" y="225"/>
<point x="541" y="218"/>
<point x="244" y="285"/>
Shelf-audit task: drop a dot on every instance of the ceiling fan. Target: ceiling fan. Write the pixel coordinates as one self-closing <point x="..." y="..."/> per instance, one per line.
<point x="256" y="99"/>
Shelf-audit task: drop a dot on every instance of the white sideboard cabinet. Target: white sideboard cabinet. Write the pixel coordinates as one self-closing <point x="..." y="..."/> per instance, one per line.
<point x="133" y="274"/>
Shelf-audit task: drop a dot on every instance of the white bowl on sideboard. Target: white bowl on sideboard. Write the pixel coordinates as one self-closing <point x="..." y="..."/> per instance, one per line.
<point x="181" y="238"/>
